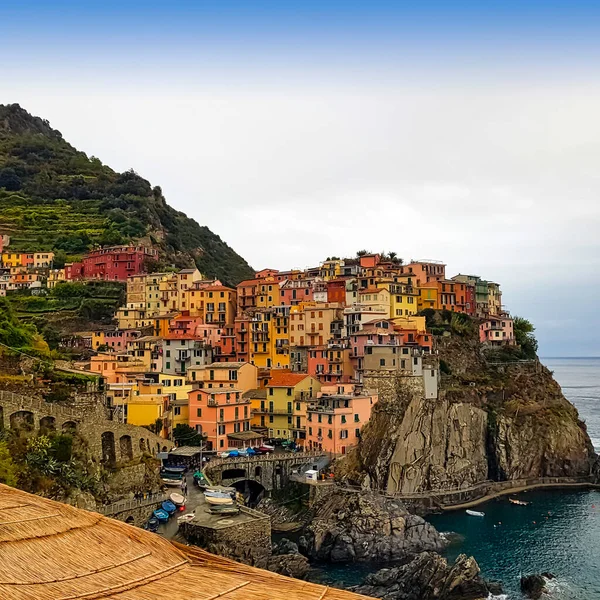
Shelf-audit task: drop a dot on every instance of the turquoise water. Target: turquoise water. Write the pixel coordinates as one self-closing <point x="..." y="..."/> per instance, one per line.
<point x="559" y="531"/>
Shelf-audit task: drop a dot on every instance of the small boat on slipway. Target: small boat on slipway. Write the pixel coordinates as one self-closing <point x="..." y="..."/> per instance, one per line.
<point x="168" y="507"/>
<point x="177" y="499"/>
<point x="219" y="501"/>
<point x="161" y="515"/>
<point x="475" y="513"/>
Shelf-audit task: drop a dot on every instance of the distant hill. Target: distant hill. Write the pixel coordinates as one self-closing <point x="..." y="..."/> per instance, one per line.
<point x="54" y="197"/>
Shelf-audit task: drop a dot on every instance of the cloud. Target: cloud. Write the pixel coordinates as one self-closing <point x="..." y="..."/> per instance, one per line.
<point x="495" y="179"/>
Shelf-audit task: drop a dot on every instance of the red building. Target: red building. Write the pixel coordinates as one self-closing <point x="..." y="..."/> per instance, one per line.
<point x="336" y="291"/>
<point x="111" y="264"/>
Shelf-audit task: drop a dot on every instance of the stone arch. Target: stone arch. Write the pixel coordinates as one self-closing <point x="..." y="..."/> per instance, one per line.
<point x="233" y="474"/>
<point x="48" y="423"/>
<point x="142" y="445"/>
<point x="258" y="471"/>
<point x="252" y="491"/>
<point x="130" y="520"/>
<point x="165" y="449"/>
<point x="126" y="448"/>
<point x="1" y="418"/>
<point x="22" y="419"/>
<point x="278" y="470"/>
<point x="109" y="455"/>
<point x="69" y="427"/>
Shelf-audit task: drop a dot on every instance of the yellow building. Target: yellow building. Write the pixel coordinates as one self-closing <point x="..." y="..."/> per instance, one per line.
<point x="213" y="302"/>
<point x="148" y="350"/>
<point x="412" y="322"/>
<point x="376" y="300"/>
<point x="242" y="376"/>
<point x="283" y="392"/>
<point x="330" y="269"/>
<point x="177" y="390"/>
<point x="55" y="277"/>
<point x="146" y="403"/>
<point x="267" y="292"/>
<point x="11" y="259"/>
<point x="279" y="338"/>
<point x="428" y="297"/>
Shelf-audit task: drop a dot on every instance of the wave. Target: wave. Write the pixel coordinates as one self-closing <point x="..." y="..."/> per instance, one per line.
<point x="498" y="597"/>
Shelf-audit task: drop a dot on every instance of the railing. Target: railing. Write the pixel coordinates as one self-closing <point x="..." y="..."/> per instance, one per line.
<point x="123" y="505"/>
<point x="295" y="456"/>
<point x="488" y="487"/>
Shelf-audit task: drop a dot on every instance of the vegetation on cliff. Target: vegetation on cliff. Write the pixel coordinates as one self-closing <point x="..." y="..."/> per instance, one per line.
<point x="54" y="197"/>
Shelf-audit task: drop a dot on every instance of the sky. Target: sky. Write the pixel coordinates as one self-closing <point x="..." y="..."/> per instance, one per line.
<point x="460" y="131"/>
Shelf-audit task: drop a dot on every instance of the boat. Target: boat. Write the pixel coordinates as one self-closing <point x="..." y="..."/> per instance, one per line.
<point x="177" y="499"/>
<point x="218" y="501"/>
<point x="211" y="494"/>
<point x="179" y="470"/>
<point x="169" y="507"/>
<point x="475" y="513"/>
<point x="224" y="510"/>
<point x="171" y="479"/>
<point x="186" y="518"/>
<point x="152" y="524"/>
<point x="519" y="502"/>
<point x="161" y="515"/>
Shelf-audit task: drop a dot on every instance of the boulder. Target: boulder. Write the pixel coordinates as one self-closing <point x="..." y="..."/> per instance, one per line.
<point x="429" y="577"/>
<point x="364" y="526"/>
<point x="292" y="565"/>
<point x="533" y="586"/>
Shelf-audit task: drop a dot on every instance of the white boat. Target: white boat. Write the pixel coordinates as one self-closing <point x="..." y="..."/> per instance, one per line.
<point x="186" y="518"/>
<point x="475" y="513"/>
<point x="177" y="499"/>
<point x="218" y="501"/>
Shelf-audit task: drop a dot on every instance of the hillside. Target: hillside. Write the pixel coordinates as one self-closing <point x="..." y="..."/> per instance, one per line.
<point x="54" y="197"/>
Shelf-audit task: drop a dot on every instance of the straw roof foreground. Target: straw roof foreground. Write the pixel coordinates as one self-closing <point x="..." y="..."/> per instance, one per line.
<point x="52" y="551"/>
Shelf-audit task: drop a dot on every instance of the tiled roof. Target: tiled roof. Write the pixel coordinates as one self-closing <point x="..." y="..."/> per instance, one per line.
<point x="279" y="379"/>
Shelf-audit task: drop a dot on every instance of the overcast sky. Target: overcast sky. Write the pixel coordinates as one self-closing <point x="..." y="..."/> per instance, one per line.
<point x="468" y="136"/>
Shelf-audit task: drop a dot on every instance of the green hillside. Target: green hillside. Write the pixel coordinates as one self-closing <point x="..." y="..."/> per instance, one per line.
<point x="53" y="197"/>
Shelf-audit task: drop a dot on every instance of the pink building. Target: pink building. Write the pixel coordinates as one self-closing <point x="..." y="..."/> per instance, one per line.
<point x="294" y="291"/>
<point x="334" y="422"/>
<point x="117" y="340"/>
<point x="223" y="416"/>
<point x="497" y="331"/>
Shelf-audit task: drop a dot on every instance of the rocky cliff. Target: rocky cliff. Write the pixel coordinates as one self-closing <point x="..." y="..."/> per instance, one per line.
<point x="493" y="420"/>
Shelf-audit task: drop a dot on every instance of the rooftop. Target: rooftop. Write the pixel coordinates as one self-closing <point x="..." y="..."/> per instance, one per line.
<point x="51" y="551"/>
<point x="286" y="379"/>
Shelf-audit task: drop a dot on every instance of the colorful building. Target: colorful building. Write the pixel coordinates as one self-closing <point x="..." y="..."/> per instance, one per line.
<point x="497" y="331"/>
<point x="334" y="422"/>
<point x="276" y="411"/>
<point x="220" y="414"/>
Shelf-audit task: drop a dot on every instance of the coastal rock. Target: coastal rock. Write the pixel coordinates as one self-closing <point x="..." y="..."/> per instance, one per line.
<point x="285" y="546"/>
<point x="533" y="586"/>
<point x="292" y="565"/>
<point x="362" y="526"/>
<point x="428" y="577"/>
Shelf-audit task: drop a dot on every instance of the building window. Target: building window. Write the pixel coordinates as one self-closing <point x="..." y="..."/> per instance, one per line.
<point x="382" y="362"/>
<point x="270" y="391"/>
<point x="198" y="412"/>
<point x="343" y="434"/>
<point x="343" y="418"/>
<point x="168" y="365"/>
<point x="177" y="411"/>
<point x="289" y="391"/>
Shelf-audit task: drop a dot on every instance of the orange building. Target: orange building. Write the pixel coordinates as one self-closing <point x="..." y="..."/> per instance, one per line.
<point x="223" y="416"/>
<point x="334" y="421"/>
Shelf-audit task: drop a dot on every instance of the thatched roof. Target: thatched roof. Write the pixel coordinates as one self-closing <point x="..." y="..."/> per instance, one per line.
<point x="52" y="551"/>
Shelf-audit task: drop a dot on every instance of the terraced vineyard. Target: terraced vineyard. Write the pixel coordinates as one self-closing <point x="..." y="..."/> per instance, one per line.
<point x="39" y="225"/>
<point x="53" y="197"/>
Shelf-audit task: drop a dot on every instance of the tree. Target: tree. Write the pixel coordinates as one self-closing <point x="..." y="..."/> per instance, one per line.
<point x="185" y="435"/>
<point x="8" y="469"/>
<point x="362" y="253"/>
<point x="9" y="180"/>
<point x="524" y="335"/>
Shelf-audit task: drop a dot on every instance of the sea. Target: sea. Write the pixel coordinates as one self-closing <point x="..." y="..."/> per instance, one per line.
<point x="558" y="532"/>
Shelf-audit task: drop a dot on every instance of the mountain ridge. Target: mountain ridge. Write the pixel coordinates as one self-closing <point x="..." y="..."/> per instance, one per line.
<point x="55" y="197"/>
